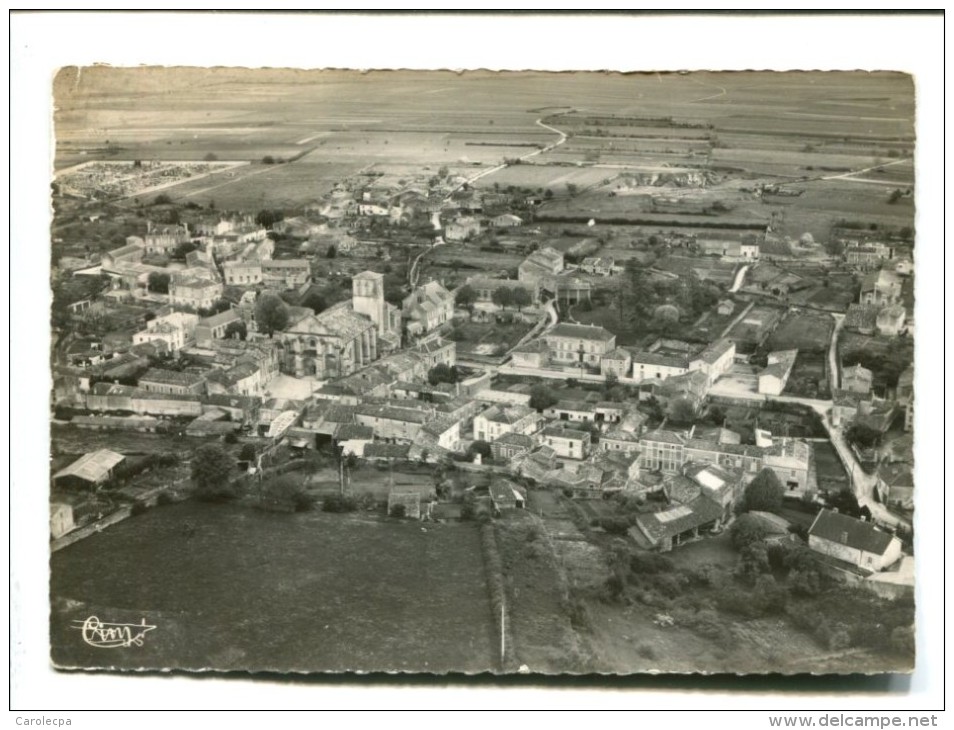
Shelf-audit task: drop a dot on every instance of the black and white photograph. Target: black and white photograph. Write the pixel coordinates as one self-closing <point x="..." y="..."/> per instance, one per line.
<point x="513" y="373"/>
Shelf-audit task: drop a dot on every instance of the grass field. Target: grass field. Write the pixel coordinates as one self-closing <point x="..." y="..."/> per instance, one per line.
<point x="254" y="590"/>
<point x="829" y="470"/>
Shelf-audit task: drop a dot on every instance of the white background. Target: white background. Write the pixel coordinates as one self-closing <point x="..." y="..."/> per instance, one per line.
<point x="40" y="43"/>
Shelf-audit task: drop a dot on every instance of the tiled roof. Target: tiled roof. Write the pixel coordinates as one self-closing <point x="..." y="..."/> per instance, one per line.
<point x="845" y="530"/>
<point x="580" y="331"/>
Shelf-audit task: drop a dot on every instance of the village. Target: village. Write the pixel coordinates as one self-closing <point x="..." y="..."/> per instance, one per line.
<point x="431" y="349"/>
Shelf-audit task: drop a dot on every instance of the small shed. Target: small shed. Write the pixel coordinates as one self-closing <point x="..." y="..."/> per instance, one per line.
<point x="506" y="495"/>
<point x="90" y="470"/>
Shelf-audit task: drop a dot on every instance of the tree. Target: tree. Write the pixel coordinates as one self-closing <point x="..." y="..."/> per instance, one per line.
<point x="479" y="447"/>
<point x="764" y="493"/>
<point x="521" y="298"/>
<point x="211" y="157"/>
<point x="286" y="493"/>
<point x="158" y="282"/>
<point x="268" y="160"/>
<point x="465" y="297"/>
<point x="271" y="314"/>
<point x="863" y="436"/>
<point x="502" y="296"/>
<point x="443" y="373"/>
<point x="542" y="397"/>
<point x="847" y="503"/>
<point x="247" y="453"/>
<point x="162" y="199"/>
<point x="183" y="249"/>
<point x="236" y="330"/>
<point x="331" y="252"/>
<point x="315" y="302"/>
<point x="745" y="531"/>
<point x="212" y="468"/>
<point x="895" y="196"/>
<point x="681" y="412"/>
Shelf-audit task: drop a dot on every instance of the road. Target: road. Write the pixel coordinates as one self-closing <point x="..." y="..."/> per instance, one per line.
<point x="849" y="175"/>
<point x="414" y="272"/>
<point x="739" y="279"/>
<point x="834" y="374"/>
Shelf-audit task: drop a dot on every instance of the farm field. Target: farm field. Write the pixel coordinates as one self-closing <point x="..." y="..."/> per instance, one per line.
<point x="305" y="592"/>
<point x="487" y="338"/>
<point x="543" y="176"/>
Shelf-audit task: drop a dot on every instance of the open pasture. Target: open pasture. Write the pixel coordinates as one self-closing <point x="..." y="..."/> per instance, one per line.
<point x="307" y="592"/>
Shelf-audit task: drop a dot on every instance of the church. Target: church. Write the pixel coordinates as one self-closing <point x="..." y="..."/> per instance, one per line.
<point x="345" y="337"/>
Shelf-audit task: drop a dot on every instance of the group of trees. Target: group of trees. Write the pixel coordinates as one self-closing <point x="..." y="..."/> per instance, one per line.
<point x="663" y="303"/>
<point x="511" y="297"/>
<point x="465" y="297"/>
<point x="158" y="282"/>
<point x="268" y="218"/>
<point x="442" y="373"/>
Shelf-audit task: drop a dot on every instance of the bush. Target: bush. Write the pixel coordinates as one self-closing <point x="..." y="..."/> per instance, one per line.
<point x="164" y="499"/>
<point x="615" y="525"/>
<point x="138" y="508"/>
<point x="650" y="563"/>
<point x="339" y="503"/>
<point x="745" y="531"/>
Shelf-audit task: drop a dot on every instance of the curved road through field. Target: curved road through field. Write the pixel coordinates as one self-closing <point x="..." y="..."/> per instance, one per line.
<point x="739" y="279"/>
<point x="414" y="272"/>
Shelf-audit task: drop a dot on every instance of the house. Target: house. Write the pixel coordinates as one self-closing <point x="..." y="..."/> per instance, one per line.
<point x="774" y="376"/>
<point x="862" y="318"/>
<point x="895" y="485"/>
<point x="663" y="451"/>
<point x="857" y="379"/>
<point x="790" y="459"/>
<point x="286" y="273"/>
<point x="426" y="308"/>
<point x="214" y="327"/>
<point x="846" y="405"/>
<point x="437" y="350"/>
<point x="597" y="265"/>
<point x="494" y="422"/>
<point x="656" y="366"/>
<point x="541" y="265"/>
<point x="890" y="321"/>
<point x="534" y="354"/>
<point x="579" y="344"/>
<point x="157" y="380"/>
<point x="729" y="250"/>
<point x="90" y="470"/>
<point x="243" y="273"/>
<point x="506" y="220"/>
<point x="486" y="286"/>
<point x="352" y="438"/>
<point x="858" y="543"/>
<point x="391" y="423"/>
<point x="566" y="442"/>
<point x="194" y="293"/>
<point x="505" y="495"/>
<point x="511" y="444"/>
<point x="572" y="410"/>
<point x="715" y="360"/>
<point x="725" y="307"/>
<point x="619" y="440"/>
<point x="568" y="288"/>
<point x="905" y="395"/>
<point x="164" y="239"/>
<point x="867" y="255"/>
<point x="880" y="287"/>
<point x="617" y="363"/>
<point x="462" y="229"/>
<point x="132" y="252"/>
<point x="61" y="519"/>
<point x="676" y="525"/>
<point x="176" y="330"/>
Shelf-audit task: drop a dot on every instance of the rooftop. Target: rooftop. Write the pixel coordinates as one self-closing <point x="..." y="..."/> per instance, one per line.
<point x="845" y="530"/>
<point x="92" y="467"/>
<point x="171" y="377"/>
<point x="581" y="331"/>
